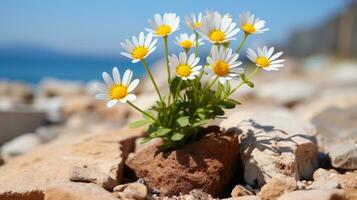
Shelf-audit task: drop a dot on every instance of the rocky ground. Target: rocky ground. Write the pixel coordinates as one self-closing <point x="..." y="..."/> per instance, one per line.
<point x="294" y="138"/>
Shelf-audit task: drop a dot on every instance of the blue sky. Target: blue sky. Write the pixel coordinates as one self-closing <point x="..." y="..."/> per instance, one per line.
<point x="97" y="27"/>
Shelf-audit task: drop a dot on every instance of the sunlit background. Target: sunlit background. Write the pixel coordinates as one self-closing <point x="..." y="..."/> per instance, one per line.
<point x="77" y="40"/>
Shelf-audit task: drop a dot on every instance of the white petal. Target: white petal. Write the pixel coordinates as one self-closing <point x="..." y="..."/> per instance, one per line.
<point x="127" y="77"/>
<point x="131" y="97"/>
<point x="275" y="56"/>
<point x="116" y="75"/>
<point x="108" y="80"/>
<point x="133" y="85"/>
<point x="111" y="103"/>
<point x="101" y="96"/>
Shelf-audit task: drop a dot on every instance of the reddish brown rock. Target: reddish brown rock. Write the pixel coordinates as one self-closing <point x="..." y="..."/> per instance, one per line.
<point x="208" y="164"/>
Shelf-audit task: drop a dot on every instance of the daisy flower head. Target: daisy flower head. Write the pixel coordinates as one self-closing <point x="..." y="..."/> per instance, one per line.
<point x="223" y="64"/>
<point x="250" y="24"/>
<point x="139" y="48"/>
<point x="164" y="25"/>
<point x="194" y="22"/>
<point x="117" y="90"/>
<point x="185" y="66"/>
<point x="265" y="58"/>
<point x="187" y="42"/>
<point x="217" y="28"/>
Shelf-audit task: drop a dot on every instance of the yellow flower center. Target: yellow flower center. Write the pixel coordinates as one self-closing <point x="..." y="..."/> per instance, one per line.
<point x="221" y="68"/>
<point x="262" y="61"/>
<point x="163" y="30"/>
<point x="183" y="70"/>
<point x="248" y="28"/>
<point x="197" y="25"/>
<point x="118" y="91"/>
<point x="139" y="52"/>
<point x="186" y="44"/>
<point x="217" y="36"/>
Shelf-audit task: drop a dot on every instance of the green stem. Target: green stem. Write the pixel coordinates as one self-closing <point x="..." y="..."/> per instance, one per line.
<point x="143" y="112"/>
<point x="167" y="58"/>
<point x="242" y="43"/>
<point x="248" y="78"/>
<point x="196" y="44"/>
<point x="212" y="83"/>
<point x="152" y="78"/>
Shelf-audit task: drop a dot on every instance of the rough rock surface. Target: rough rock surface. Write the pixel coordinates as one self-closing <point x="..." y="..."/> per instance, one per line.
<point x="49" y="165"/>
<point x="240" y="190"/>
<point x="208" y="164"/>
<point x="343" y="156"/>
<point x="135" y="191"/>
<point x="314" y="195"/>
<point x="273" y="145"/>
<point x="76" y="191"/>
<point x="276" y="187"/>
<point x="20" y="145"/>
<point x="88" y="175"/>
<point x="336" y="124"/>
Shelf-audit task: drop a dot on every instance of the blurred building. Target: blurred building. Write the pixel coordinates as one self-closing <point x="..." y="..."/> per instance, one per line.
<point x="337" y="36"/>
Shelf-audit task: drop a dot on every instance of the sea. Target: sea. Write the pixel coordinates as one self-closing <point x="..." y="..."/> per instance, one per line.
<point x="83" y="69"/>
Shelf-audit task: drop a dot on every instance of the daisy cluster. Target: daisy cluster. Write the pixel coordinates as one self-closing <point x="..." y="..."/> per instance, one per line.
<point x="178" y="117"/>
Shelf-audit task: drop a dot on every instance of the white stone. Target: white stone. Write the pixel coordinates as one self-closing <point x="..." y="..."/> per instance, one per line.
<point x="20" y="145"/>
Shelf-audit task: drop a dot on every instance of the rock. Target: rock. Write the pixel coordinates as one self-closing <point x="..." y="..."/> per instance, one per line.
<point x="52" y="106"/>
<point x="49" y="165"/>
<point x="348" y="183"/>
<point x="82" y="174"/>
<point x="1" y="161"/>
<point x="336" y="125"/>
<point x="207" y="164"/>
<point x="251" y="197"/>
<point x="240" y="190"/>
<point x="76" y="191"/>
<point x="342" y="75"/>
<point x="335" y="98"/>
<point x="14" y="123"/>
<point x="53" y="87"/>
<point x="20" y="145"/>
<point x="16" y="91"/>
<point x="193" y="195"/>
<point x="276" y="187"/>
<point x="77" y="103"/>
<point x="343" y="156"/>
<point x="273" y="145"/>
<point x="133" y="191"/>
<point x="293" y="90"/>
<point x="314" y="195"/>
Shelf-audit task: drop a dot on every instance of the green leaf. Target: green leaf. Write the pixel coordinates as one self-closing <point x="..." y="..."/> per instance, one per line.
<point x="139" y="123"/>
<point x="177" y="136"/>
<point x="200" y="123"/>
<point x="228" y="105"/>
<point x="183" y="121"/>
<point x="174" y="85"/>
<point x="234" y="101"/>
<point x="243" y="77"/>
<point x="163" y="131"/>
<point x="250" y="84"/>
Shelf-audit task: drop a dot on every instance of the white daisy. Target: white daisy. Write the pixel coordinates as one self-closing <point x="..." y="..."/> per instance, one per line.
<point x="139" y="49"/>
<point x="164" y="25"/>
<point x="250" y="25"/>
<point x="185" y="67"/>
<point x="265" y="59"/>
<point x="117" y="90"/>
<point x="194" y="22"/>
<point x="217" y="28"/>
<point x="223" y="64"/>
<point x="187" y="42"/>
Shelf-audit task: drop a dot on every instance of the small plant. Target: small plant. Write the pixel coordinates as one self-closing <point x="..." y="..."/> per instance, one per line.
<point x="199" y="90"/>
